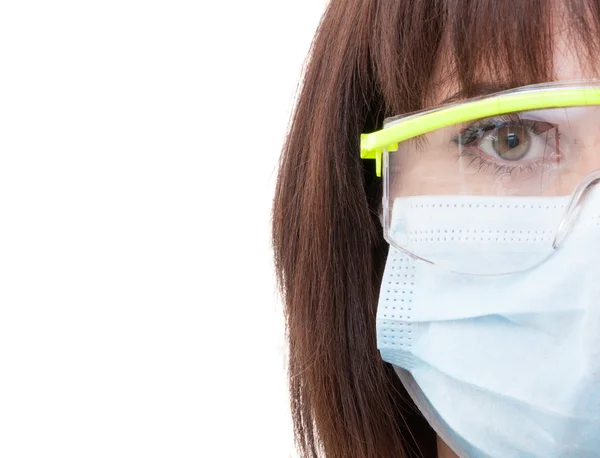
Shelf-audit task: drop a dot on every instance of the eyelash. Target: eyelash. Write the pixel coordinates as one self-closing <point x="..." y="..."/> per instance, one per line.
<point x="476" y="132"/>
<point x="499" y="169"/>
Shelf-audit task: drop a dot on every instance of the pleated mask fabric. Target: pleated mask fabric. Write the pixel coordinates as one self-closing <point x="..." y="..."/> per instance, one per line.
<point x="501" y="366"/>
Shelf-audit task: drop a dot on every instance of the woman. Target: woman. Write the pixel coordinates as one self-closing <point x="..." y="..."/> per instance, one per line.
<point x="449" y="307"/>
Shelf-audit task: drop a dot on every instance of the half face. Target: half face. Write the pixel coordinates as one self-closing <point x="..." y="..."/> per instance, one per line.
<point x="544" y="152"/>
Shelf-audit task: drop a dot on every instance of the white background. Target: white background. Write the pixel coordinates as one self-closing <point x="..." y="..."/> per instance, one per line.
<point x="138" y="151"/>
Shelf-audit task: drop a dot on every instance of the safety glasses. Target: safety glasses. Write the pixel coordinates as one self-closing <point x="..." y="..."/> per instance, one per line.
<point x="491" y="185"/>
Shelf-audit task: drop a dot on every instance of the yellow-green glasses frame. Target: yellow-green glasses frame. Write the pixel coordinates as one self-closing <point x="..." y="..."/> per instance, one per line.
<point x="373" y="145"/>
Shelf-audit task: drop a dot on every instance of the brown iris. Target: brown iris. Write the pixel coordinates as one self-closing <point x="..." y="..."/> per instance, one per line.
<point x="511" y="143"/>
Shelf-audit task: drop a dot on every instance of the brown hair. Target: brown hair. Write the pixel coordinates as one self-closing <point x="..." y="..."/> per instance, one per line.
<point x="371" y="59"/>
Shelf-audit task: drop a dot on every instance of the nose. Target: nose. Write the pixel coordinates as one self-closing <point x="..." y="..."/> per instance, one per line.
<point x="586" y="194"/>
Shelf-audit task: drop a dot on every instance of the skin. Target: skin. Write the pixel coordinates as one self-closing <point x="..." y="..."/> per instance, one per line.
<point x="444" y="451"/>
<point x="566" y="67"/>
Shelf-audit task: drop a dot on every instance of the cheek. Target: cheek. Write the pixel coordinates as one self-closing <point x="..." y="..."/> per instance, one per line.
<point x="424" y="174"/>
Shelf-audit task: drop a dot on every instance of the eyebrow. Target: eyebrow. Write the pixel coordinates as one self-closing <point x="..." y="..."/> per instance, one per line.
<point x="478" y="90"/>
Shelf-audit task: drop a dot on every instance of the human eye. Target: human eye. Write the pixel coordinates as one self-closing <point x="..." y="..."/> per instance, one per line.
<point x="509" y="144"/>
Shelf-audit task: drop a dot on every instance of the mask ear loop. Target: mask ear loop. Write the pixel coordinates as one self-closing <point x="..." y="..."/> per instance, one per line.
<point x="568" y="220"/>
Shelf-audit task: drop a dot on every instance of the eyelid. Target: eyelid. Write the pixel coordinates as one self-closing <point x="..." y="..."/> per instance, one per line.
<point x="484" y="125"/>
<point x="559" y="116"/>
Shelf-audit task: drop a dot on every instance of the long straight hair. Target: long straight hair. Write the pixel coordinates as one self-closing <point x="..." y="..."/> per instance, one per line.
<point x="371" y="59"/>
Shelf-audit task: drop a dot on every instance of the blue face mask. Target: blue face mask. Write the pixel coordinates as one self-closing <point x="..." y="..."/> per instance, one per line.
<point x="502" y="366"/>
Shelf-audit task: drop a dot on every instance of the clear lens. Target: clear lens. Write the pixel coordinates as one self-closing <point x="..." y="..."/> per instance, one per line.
<point x="487" y="196"/>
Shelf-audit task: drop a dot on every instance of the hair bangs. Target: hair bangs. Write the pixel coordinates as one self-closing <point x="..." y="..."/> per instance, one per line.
<point x="429" y="49"/>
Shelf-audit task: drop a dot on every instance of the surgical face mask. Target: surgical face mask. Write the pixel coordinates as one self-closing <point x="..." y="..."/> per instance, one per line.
<point x="502" y="366"/>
